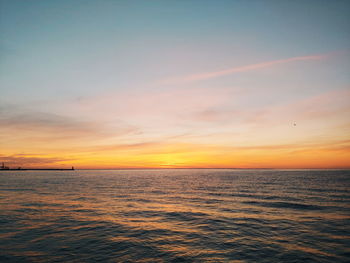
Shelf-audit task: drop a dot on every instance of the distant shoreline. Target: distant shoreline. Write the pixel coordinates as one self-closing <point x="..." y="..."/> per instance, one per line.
<point x="38" y="169"/>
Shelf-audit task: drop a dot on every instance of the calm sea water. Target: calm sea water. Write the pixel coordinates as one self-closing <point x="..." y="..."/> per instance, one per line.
<point x="175" y="216"/>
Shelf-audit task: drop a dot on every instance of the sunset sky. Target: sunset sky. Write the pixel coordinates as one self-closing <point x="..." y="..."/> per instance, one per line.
<point x="171" y="84"/>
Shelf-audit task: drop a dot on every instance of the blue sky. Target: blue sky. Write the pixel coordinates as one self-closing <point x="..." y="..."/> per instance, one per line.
<point x="115" y="43"/>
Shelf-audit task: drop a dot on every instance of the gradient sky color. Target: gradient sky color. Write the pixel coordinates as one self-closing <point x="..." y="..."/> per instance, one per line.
<point x="171" y="84"/>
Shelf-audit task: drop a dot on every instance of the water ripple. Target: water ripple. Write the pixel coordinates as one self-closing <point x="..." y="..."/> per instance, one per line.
<point x="175" y="216"/>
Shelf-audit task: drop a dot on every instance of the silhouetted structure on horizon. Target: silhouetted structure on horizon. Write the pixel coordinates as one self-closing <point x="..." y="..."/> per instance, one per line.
<point x="3" y="167"/>
<point x="7" y="168"/>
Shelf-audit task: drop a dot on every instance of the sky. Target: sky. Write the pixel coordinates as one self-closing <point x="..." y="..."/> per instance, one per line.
<point x="175" y="84"/>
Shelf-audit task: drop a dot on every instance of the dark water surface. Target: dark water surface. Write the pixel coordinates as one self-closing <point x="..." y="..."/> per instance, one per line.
<point x="175" y="216"/>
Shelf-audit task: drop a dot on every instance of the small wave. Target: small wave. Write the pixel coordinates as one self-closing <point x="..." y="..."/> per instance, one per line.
<point x="289" y="205"/>
<point x="17" y="189"/>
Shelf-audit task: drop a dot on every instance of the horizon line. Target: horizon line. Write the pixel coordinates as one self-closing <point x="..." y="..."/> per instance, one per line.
<point x="181" y="168"/>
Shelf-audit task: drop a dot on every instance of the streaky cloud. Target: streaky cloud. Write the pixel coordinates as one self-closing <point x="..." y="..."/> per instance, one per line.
<point x="15" y="119"/>
<point x="245" y="68"/>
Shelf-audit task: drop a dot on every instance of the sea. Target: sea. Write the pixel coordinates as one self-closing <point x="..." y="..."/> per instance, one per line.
<point x="175" y="215"/>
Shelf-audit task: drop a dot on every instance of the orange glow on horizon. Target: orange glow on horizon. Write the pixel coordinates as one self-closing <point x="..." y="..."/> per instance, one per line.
<point x="183" y="155"/>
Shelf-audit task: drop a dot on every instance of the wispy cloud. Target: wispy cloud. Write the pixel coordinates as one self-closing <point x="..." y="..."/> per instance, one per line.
<point x="326" y="104"/>
<point x="16" y="120"/>
<point x="245" y="68"/>
<point x="159" y="108"/>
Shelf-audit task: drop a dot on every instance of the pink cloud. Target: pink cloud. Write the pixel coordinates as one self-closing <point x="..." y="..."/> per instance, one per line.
<point x="161" y="104"/>
<point x="322" y="106"/>
<point x="215" y="74"/>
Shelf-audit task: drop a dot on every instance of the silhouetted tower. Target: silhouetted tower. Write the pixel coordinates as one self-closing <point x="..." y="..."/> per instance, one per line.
<point x="3" y="167"/>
